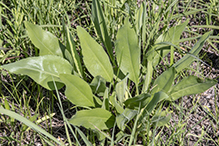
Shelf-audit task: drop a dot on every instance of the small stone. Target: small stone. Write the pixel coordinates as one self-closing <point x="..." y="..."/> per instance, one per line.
<point x="211" y="102"/>
<point x="208" y="97"/>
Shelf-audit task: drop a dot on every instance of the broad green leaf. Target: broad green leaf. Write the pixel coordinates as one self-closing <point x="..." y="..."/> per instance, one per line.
<point x="128" y="52"/>
<point x="101" y="27"/>
<point x="189" y="58"/>
<point x="70" y="46"/>
<point x="43" y="40"/>
<point x="190" y="85"/>
<point x="125" y="117"/>
<point x="42" y="69"/>
<point x="139" y="18"/>
<point x="161" y="119"/>
<point x="114" y="102"/>
<point x="77" y="90"/>
<point x="148" y="77"/>
<point x="164" y="81"/>
<point x="29" y="124"/>
<point x="98" y="85"/>
<point x="159" y="96"/>
<point x="142" y="100"/>
<point x="105" y="104"/>
<point x="121" y="88"/>
<point x="94" y="118"/>
<point x="172" y="36"/>
<point x="144" y="26"/>
<point x="94" y="56"/>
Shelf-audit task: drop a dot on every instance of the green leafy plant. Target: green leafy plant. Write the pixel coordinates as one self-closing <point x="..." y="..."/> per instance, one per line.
<point x="113" y="89"/>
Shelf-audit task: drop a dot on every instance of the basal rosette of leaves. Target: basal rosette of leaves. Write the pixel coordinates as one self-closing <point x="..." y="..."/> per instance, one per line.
<point x="108" y="96"/>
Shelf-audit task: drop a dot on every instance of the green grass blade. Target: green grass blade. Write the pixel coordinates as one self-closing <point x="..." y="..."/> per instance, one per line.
<point x="188" y="59"/>
<point x="72" y="48"/>
<point x="139" y="114"/>
<point x="28" y="123"/>
<point x="206" y="26"/>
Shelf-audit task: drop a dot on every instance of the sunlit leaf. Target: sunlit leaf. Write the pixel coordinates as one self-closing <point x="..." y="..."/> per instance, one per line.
<point x="42" y="69"/>
<point x="172" y="36"/>
<point x="94" y="118"/>
<point x="70" y="46"/>
<point x="121" y="88"/>
<point x="94" y="56"/>
<point x="114" y="102"/>
<point x="148" y="77"/>
<point x="105" y="104"/>
<point x="127" y="51"/>
<point x="77" y="90"/>
<point x="46" y="42"/>
<point x="101" y="27"/>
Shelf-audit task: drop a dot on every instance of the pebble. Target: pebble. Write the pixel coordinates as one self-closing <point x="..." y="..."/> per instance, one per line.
<point x="211" y="102"/>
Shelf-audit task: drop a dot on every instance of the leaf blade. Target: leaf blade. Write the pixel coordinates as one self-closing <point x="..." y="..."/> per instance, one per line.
<point x="128" y="52"/>
<point x="121" y="88"/>
<point x="164" y="81"/>
<point x="42" y="69"/>
<point x="43" y="40"/>
<point x="95" y="59"/>
<point x="190" y="85"/>
<point x="94" y="118"/>
<point x="172" y="36"/>
<point x="125" y="117"/>
<point x="72" y="48"/>
<point x="138" y="101"/>
<point x="188" y="58"/>
<point x="101" y="27"/>
<point x="77" y="90"/>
